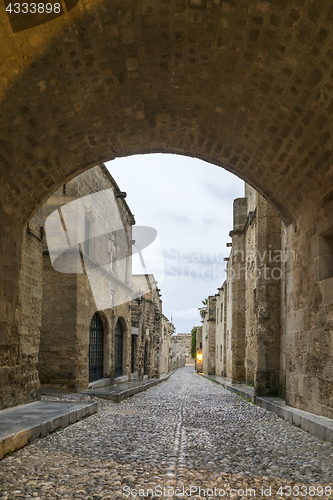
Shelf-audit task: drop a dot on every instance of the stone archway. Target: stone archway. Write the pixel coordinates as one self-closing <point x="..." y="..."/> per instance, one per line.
<point x="246" y="87"/>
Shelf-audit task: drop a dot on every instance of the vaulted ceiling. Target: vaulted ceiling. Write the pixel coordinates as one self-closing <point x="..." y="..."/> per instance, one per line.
<point x="246" y="85"/>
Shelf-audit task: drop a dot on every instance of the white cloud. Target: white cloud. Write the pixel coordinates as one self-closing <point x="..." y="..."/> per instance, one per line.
<point x="189" y="203"/>
<point x="186" y="314"/>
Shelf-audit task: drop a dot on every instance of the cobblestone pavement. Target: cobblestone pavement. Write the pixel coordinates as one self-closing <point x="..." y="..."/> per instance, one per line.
<point x="185" y="438"/>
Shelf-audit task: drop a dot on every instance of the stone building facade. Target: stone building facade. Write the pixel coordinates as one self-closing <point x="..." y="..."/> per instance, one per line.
<point x="156" y="349"/>
<point x="186" y="338"/>
<point x="223" y="340"/>
<point x="209" y="335"/>
<point x="80" y="322"/>
<point x="307" y="309"/>
<point x="251" y="296"/>
<point x="264" y="335"/>
<point x="168" y="330"/>
<point x="86" y="321"/>
<point x="247" y="321"/>
<point x="86" y="337"/>
<point x="146" y="329"/>
<point x="177" y="353"/>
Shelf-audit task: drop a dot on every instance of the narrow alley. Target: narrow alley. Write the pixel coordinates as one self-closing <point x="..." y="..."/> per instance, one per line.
<point x="181" y="439"/>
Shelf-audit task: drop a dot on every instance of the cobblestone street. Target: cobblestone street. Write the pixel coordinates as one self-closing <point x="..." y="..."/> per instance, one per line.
<point x="187" y="432"/>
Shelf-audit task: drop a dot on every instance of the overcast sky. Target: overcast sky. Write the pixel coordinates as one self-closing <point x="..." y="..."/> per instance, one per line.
<point x="189" y="203"/>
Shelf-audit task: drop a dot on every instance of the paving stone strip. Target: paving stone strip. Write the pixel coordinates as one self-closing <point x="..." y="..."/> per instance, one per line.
<point x="187" y="438"/>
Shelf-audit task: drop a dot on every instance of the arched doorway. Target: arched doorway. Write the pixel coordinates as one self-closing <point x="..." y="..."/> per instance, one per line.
<point x="96" y="342"/>
<point x="145" y="359"/>
<point x="133" y="353"/>
<point x="118" y="350"/>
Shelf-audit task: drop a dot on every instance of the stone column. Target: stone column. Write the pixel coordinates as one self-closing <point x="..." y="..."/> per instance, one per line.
<point x="268" y="331"/>
<point x="236" y="278"/>
<point x="211" y="321"/>
<point x="20" y="303"/>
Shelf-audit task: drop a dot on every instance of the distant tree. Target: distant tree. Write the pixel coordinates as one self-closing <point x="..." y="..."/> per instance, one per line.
<point x="202" y="310"/>
<point x="194" y="342"/>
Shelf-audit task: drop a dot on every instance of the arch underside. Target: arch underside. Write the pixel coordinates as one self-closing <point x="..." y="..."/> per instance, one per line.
<point x="244" y="85"/>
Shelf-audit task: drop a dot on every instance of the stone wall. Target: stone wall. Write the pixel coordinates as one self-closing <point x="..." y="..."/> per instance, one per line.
<point x="274" y="312"/>
<point x="20" y="306"/>
<point x="146" y="325"/>
<point x="186" y="338"/>
<point x="21" y="289"/>
<point x="248" y="328"/>
<point x="251" y="285"/>
<point x="177" y="354"/>
<point x="58" y="343"/>
<point x="167" y="331"/>
<point x="228" y="339"/>
<point x="263" y="257"/>
<point x="221" y="331"/>
<point x="308" y="339"/>
<point x="236" y="283"/>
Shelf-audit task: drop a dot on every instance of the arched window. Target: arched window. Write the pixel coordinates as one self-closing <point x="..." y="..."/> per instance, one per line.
<point x="118" y="350"/>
